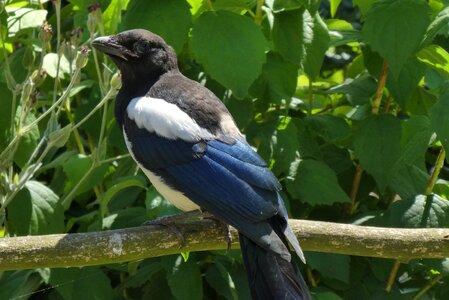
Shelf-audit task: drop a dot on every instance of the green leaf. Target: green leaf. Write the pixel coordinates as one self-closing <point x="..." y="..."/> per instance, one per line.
<point x="241" y="110"/>
<point x="335" y="266"/>
<point x="409" y="180"/>
<point x="287" y="35"/>
<point x="308" y="145"/>
<point x="314" y="182"/>
<point x="301" y="38"/>
<point x="364" y="5"/>
<point x="439" y="117"/>
<point x="231" y="49"/>
<point x="281" y="77"/>
<point x="395" y="29"/>
<point x="420" y="211"/>
<point x="321" y="293"/>
<point x="420" y="102"/>
<point x="28" y="142"/>
<point x="358" y="91"/>
<point x="157" y="205"/>
<point x="435" y="57"/>
<point x="377" y="146"/>
<point x="343" y="37"/>
<point x="218" y="277"/>
<point x="285" y="148"/>
<point x="5" y="115"/>
<point x="50" y="65"/>
<point x="125" y="218"/>
<point x="316" y="42"/>
<point x="402" y="87"/>
<point x="60" y="137"/>
<point x="88" y="283"/>
<point x="121" y="184"/>
<point x="157" y="288"/>
<point x="439" y="25"/>
<point x="184" y="278"/>
<point x="146" y="269"/>
<point x="235" y="6"/>
<point x="76" y="167"/>
<point x="20" y="18"/>
<point x="416" y="134"/>
<point x="331" y="128"/>
<point x="170" y="19"/>
<point x="410" y="176"/>
<point x="12" y="283"/>
<point x="283" y="5"/>
<point x="113" y="14"/>
<point x="35" y="210"/>
<point x="334" y="7"/>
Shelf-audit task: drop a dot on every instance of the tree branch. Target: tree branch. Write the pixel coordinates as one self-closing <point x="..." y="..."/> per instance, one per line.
<point x="115" y="246"/>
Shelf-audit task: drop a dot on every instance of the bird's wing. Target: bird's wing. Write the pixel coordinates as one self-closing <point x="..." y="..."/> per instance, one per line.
<point x="224" y="176"/>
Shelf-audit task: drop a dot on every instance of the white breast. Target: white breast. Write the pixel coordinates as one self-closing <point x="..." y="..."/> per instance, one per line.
<point x="175" y="197"/>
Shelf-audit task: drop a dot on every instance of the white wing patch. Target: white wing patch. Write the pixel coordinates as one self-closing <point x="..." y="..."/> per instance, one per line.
<point x="165" y="119"/>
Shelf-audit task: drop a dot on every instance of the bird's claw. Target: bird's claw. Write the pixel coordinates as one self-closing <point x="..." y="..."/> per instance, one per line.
<point x="225" y="227"/>
<point x="170" y="222"/>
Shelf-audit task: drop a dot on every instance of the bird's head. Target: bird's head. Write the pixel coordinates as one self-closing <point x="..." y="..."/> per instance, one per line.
<point x="138" y="53"/>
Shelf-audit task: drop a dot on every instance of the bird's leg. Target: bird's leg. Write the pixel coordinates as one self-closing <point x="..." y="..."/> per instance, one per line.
<point x="170" y="222"/>
<point x="225" y="227"/>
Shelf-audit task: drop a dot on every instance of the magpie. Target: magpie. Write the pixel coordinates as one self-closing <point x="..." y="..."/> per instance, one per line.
<point x="186" y="142"/>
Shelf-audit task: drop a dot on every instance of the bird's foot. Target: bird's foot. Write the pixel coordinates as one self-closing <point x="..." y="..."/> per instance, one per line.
<point x="225" y="227"/>
<point x="170" y="222"/>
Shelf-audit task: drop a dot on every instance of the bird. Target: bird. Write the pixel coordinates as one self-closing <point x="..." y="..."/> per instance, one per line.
<point x="187" y="143"/>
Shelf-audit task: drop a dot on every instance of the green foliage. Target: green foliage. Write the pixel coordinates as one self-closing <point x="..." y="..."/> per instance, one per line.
<point x="230" y="47"/>
<point x="326" y="92"/>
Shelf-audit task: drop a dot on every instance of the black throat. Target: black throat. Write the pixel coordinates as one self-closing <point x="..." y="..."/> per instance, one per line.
<point x="132" y="87"/>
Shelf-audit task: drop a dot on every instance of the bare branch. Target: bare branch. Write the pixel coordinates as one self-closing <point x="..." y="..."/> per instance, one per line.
<point x="114" y="246"/>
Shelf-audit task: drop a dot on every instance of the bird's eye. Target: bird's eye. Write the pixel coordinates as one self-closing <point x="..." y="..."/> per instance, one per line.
<point x="141" y="47"/>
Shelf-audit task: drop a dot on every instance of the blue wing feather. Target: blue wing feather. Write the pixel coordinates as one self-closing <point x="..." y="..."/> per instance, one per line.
<point x="239" y="150"/>
<point x="230" y="180"/>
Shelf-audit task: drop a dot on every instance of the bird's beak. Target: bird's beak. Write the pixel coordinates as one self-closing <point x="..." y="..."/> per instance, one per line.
<point x="108" y="45"/>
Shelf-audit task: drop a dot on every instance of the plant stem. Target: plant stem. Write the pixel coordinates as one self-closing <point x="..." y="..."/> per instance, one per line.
<point x="25" y="177"/>
<point x="380" y="88"/>
<point x="5" y="55"/>
<point x="387" y="104"/>
<point x="112" y="159"/>
<point x="108" y="95"/>
<point x="393" y="274"/>
<point x="259" y="16"/>
<point x="355" y="187"/>
<point x="68" y="199"/>
<point x="58" y="46"/>
<point x="62" y="98"/>
<point x="436" y="171"/>
<point x="428" y="286"/>
<point x="27" y="128"/>
<point x="76" y="134"/>
<point x="309" y="111"/>
<point x="100" y="76"/>
<point x="310" y="277"/>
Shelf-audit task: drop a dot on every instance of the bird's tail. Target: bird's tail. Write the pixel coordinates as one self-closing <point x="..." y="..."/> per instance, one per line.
<point x="270" y="276"/>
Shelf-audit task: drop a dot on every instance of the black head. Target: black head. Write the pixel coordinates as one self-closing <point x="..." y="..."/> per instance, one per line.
<point x="138" y="54"/>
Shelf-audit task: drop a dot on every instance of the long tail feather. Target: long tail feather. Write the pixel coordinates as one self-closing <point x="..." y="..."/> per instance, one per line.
<point x="270" y="276"/>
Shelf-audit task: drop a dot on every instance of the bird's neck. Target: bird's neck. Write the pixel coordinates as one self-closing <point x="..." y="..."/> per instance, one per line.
<point x="132" y="87"/>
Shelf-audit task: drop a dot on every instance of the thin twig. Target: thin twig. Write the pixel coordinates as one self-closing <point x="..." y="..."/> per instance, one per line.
<point x="380" y="88"/>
